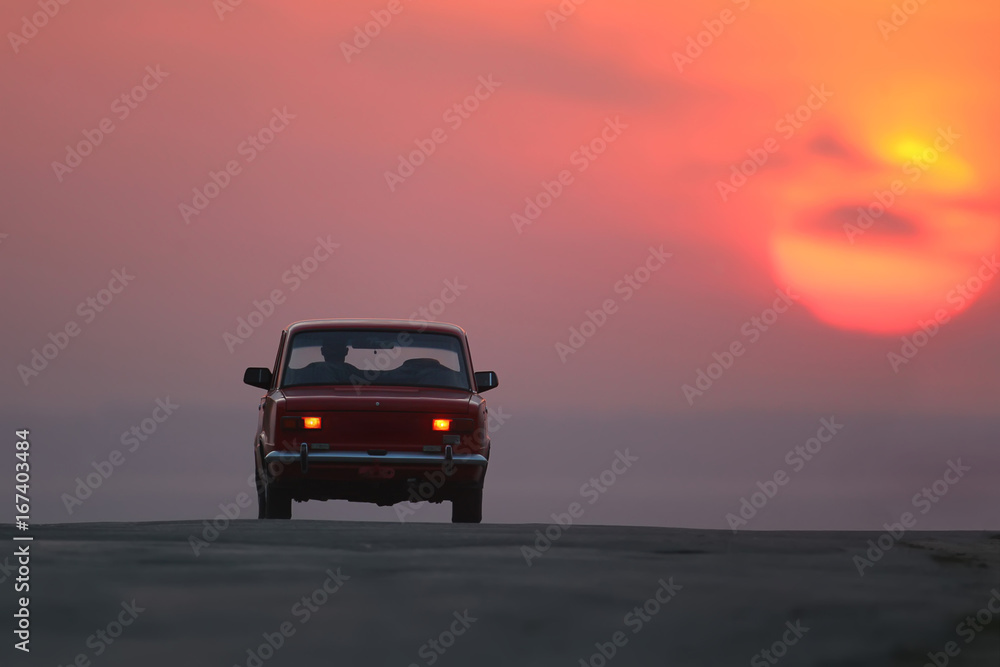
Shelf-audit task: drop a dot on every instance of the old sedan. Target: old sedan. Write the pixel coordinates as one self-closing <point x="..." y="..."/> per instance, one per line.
<point x="378" y="411"/>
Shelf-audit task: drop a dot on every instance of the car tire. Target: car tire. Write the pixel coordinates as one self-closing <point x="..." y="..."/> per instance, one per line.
<point x="467" y="506"/>
<point x="261" y="497"/>
<point x="277" y="503"/>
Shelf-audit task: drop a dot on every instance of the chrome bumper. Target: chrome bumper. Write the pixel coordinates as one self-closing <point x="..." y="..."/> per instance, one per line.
<point x="306" y="458"/>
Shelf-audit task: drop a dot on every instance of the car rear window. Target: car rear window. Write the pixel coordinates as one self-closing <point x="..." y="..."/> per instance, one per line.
<point x="358" y="358"/>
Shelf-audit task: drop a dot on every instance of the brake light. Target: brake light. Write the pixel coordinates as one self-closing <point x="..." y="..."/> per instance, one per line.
<point x="312" y="422"/>
<point x="442" y="425"/>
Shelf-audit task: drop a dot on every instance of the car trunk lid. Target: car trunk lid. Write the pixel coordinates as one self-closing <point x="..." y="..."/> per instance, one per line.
<point x="370" y="418"/>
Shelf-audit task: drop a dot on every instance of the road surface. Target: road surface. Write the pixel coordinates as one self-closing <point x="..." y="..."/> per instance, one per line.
<point x="309" y="593"/>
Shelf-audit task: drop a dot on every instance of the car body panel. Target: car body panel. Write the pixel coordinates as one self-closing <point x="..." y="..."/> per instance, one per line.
<point x="375" y="443"/>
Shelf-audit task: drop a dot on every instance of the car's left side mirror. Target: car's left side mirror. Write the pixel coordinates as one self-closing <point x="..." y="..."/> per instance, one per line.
<point x="486" y="380"/>
<point x="258" y="377"/>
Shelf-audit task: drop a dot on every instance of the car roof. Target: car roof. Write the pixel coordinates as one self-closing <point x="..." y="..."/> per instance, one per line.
<point x="381" y="325"/>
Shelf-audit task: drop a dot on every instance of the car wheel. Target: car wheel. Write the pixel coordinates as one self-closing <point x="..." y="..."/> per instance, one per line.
<point x="261" y="498"/>
<point x="467" y="506"/>
<point x="277" y="503"/>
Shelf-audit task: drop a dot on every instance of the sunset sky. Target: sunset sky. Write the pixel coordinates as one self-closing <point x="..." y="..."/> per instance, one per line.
<point x="833" y="161"/>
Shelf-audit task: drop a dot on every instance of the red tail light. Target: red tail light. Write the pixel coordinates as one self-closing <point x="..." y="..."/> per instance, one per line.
<point x="441" y="425"/>
<point x="301" y="422"/>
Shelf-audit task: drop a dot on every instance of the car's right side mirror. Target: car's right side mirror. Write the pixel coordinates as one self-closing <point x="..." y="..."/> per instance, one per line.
<point x="258" y="377"/>
<point x="486" y="380"/>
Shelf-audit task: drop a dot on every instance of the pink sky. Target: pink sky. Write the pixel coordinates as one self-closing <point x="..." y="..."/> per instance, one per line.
<point x="656" y="184"/>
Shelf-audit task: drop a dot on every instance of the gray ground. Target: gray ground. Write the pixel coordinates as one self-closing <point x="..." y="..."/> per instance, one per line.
<point x="407" y="582"/>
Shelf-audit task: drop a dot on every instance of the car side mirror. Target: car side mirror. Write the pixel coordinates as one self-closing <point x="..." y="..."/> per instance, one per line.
<point x="486" y="380"/>
<point x="258" y="377"/>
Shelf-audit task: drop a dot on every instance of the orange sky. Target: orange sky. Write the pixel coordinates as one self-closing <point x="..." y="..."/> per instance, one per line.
<point x="712" y="199"/>
<point x="788" y="225"/>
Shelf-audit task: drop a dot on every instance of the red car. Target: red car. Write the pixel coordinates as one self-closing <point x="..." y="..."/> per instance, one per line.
<point x="377" y="411"/>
